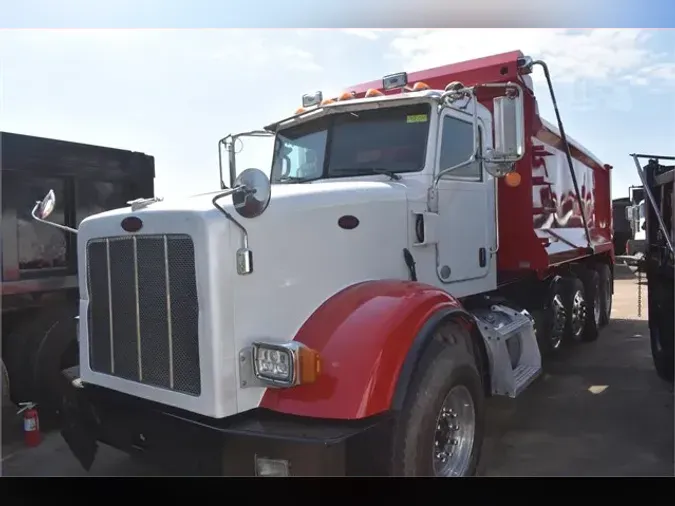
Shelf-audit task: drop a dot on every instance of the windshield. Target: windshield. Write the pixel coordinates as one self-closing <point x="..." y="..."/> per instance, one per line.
<point x="351" y="144"/>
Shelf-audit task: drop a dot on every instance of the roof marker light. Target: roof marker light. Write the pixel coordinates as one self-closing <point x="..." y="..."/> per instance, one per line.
<point x="347" y="95"/>
<point x="312" y="99"/>
<point x="393" y="81"/>
<point x="419" y="86"/>
<point x="372" y="92"/>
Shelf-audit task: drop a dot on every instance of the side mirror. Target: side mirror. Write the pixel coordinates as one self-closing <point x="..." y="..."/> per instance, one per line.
<point x="254" y="196"/>
<point x="46" y="206"/>
<point x="629" y="213"/>
<point x="509" y="127"/>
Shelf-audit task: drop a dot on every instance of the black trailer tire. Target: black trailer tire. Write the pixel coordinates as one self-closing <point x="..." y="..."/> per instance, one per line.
<point x="593" y="295"/>
<point x="606" y="289"/>
<point x="663" y="357"/>
<point x="37" y="347"/>
<point x="662" y="331"/>
<point x="443" y="407"/>
<point x="575" y="309"/>
<point x="4" y="378"/>
<point x="550" y="321"/>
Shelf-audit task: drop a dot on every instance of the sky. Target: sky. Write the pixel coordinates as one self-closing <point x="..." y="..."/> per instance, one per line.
<point x="174" y="93"/>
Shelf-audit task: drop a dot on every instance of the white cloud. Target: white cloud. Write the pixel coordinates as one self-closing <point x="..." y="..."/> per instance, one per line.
<point x="593" y="55"/>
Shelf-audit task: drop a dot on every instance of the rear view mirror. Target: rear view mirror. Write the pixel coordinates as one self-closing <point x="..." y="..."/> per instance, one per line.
<point x="46" y="206"/>
<point x="509" y="128"/>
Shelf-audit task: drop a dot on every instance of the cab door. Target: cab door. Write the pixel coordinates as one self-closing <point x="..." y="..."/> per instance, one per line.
<point x="466" y="227"/>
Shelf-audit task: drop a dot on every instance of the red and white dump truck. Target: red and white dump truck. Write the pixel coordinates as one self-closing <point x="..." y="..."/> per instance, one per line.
<point x="425" y="239"/>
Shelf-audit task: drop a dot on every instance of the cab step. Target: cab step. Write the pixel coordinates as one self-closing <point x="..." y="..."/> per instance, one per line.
<point x="515" y="361"/>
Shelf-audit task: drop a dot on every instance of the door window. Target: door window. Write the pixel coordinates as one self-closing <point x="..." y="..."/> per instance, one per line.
<point x="456" y="147"/>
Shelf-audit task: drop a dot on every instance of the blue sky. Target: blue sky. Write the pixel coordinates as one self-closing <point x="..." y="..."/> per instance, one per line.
<point x="174" y="93"/>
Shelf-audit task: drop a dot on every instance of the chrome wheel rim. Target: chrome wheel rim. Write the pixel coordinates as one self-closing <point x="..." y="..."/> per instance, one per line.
<point x="454" y="434"/>
<point x="559" y="316"/>
<point x="578" y="313"/>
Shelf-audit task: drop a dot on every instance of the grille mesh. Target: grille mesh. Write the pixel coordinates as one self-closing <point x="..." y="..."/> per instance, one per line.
<point x="139" y="329"/>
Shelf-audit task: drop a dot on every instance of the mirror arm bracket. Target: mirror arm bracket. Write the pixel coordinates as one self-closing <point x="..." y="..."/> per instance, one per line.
<point x="244" y="256"/>
<point x="50" y="223"/>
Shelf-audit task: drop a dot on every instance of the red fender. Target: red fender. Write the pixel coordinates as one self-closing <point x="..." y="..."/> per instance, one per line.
<point x="363" y="335"/>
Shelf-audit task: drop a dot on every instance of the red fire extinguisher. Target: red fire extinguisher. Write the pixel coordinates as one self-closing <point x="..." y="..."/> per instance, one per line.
<point x="31" y="424"/>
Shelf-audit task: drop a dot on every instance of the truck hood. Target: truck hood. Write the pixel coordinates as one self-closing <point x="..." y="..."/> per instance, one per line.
<point x="284" y="197"/>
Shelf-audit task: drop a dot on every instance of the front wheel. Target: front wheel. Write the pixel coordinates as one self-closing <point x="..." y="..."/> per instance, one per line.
<point x="440" y="430"/>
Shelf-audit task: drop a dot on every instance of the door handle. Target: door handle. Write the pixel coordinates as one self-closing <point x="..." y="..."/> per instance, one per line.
<point x="482" y="257"/>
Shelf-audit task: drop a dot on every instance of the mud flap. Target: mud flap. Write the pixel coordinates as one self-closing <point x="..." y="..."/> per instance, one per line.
<point x="79" y="426"/>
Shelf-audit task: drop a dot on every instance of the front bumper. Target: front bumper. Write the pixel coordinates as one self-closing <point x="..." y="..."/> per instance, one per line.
<point x="190" y="444"/>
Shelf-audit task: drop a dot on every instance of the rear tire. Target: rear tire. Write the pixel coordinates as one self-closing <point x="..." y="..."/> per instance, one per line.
<point x="661" y="329"/>
<point x="576" y="309"/>
<point x="4" y="377"/>
<point x="550" y="321"/>
<point x="593" y="295"/>
<point x="606" y="289"/>
<point x="441" y="427"/>
<point x="37" y="348"/>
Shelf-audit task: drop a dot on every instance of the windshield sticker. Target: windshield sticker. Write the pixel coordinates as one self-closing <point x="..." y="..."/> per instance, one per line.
<point x="417" y="118"/>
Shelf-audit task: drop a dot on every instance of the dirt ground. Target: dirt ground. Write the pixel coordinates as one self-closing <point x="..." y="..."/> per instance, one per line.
<point x="599" y="410"/>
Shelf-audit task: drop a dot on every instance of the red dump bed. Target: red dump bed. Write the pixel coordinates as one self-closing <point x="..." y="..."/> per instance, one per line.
<point x="540" y="220"/>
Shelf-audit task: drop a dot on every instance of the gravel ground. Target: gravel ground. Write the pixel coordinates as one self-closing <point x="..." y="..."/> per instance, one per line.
<point x="599" y="410"/>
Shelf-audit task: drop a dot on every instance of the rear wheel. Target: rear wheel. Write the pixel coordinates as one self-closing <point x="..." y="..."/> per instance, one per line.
<point x="440" y="430"/>
<point x="576" y="308"/>
<point x="593" y="298"/>
<point x="549" y="322"/>
<point x="606" y="287"/>
<point x="661" y="329"/>
<point x="40" y="347"/>
<point x="4" y="378"/>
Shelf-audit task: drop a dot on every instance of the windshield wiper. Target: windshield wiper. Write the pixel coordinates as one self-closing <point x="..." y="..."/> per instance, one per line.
<point x="371" y="170"/>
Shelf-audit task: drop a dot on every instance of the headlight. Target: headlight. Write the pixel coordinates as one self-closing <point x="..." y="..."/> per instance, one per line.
<point x="285" y="364"/>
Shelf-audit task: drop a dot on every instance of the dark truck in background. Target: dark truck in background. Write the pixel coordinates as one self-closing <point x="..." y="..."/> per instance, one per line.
<point x="658" y="177"/>
<point x="39" y="262"/>
<point x="623" y="229"/>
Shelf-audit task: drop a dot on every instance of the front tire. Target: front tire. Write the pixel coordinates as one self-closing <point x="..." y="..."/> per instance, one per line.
<point x="441" y="427"/>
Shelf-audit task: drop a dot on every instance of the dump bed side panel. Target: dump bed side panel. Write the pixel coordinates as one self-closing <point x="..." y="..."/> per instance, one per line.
<point x="557" y="214"/>
<point x="85" y="179"/>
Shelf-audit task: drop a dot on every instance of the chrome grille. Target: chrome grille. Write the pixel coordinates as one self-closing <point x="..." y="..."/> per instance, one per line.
<point x="143" y="310"/>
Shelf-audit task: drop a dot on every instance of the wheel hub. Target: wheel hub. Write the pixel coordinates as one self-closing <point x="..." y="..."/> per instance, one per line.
<point x="454" y="434"/>
<point x="558" y="321"/>
<point x="578" y="313"/>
